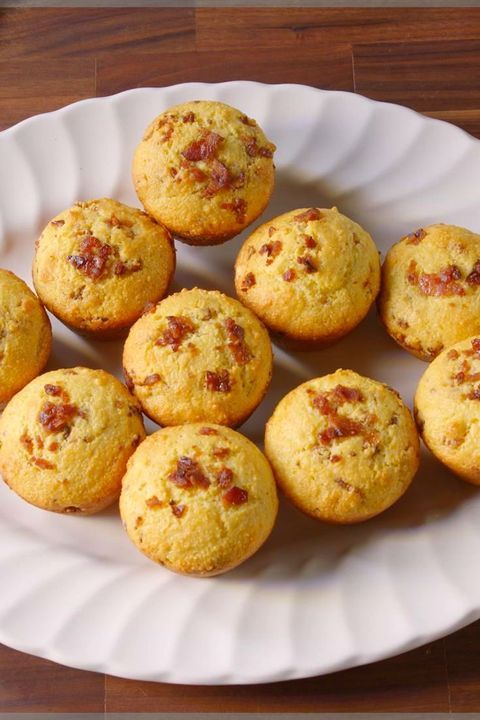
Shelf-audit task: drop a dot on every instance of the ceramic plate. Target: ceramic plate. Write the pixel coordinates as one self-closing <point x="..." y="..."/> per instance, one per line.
<point x="315" y="598"/>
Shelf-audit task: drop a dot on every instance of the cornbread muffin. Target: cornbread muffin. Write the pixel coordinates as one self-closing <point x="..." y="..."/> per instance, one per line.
<point x="204" y="170"/>
<point x="447" y="408"/>
<point x="430" y="296"/>
<point x="343" y="447"/>
<point x="25" y="335"/>
<point x="65" y="440"/>
<point x="310" y="274"/>
<point x="199" y="499"/>
<point x="198" y="356"/>
<point x="99" y="263"/>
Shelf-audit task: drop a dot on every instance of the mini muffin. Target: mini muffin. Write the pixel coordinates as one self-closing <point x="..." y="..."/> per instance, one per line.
<point x="311" y="275"/>
<point x="343" y="447"/>
<point x="430" y="296"/>
<point x="204" y="170"/>
<point x="199" y="499"/>
<point x="25" y="335"/>
<point x="198" y="356"/>
<point x="447" y="408"/>
<point x="65" y="440"/>
<point x="98" y="264"/>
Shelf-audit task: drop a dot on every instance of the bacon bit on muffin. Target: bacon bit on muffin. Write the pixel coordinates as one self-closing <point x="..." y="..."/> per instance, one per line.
<point x="189" y="117"/>
<point x="221" y="452"/>
<point x="238" y="207"/>
<point x="207" y="431"/>
<point x="151" y="379"/>
<point x="153" y="502"/>
<point x="415" y="237"/>
<point x="92" y="258"/>
<point x="224" y="477"/>
<point x="42" y="463"/>
<point x="204" y="148"/>
<point x="248" y="281"/>
<point x="253" y="150"/>
<point x="122" y="268"/>
<point x="443" y="283"/>
<point x="57" y="223"/>
<point x="27" y="442"/>
<point x="235" y="496"/>
<point x="289" y="275"/>
<point x="177" y="510"/>
<point x="57" y="391"/>
<point x="236" y="344"/>
<point x="308" y="215"/>
<point x="308" y="262"/>
<point x="188" y="474"/>
<point x="453" y="355"/>
<point x="218" y="381"/>
<point x="178" y="329"/>
<point x="340" y="426"/>
<point x="347" y="486"/>
<point x="474" y="277"/>
<point x="309" y="242"/>
<point x="220" y="177"/>
<point x="474" y="394"/>
<point x="56" y="417"/>
<point x="271" y="250"/>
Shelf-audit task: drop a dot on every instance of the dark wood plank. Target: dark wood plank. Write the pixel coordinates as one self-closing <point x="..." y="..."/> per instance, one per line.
<point x="462" y="651"/>
<point x="440" y="78"/>
<point x="225" y="28"/>
<point x="28" y="87"/>
<point x="29" y="684"/>
<point x="63" y="32"/>
<point x="412" y="682"/>
<point x="328" y="67"/>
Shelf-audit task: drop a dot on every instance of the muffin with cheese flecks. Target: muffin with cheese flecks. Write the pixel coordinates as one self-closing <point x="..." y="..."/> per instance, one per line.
<point x="99" y="263"/>
<point x="343" y="447"/>
<point x="66" y="437"/>
<point x="199" y="355"/>
<point x="25" y="335"/>
<point x="310" y="274"/>
<point x="430" y="296"/>
<point x="199" y="499"/>
<point x="205" y="170"/>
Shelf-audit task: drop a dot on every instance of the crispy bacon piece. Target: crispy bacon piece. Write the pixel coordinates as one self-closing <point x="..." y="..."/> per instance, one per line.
<point x="342" y="393"/>
<point x="225" y="477"/>
<point x="443" y="283"/>
<point x="308" y="215"/>
<point x="177" y="510"/>
<point x="237" y="346"/>
<point x="289" y="275"/>
<point x="340" y="427"/>
<point x="238" y="207"/>
<point x="474" y="394"/>
<point x="42" y="463"/>
<point x="189" y="117"/>
<point x="122" y="268"/>
<point x="56" y="417"/>
<point x="188" y="474"/>
<point x="474" y="277"/>
<point x="204" y="148"/>
<point x="178" y="329"/>
<point x="476" y="345"/>
<point x="347" y="486"/>
<point x="248" y="281"/>
<point x="253" y="149"/>
<point x="151" y="379"/>
<point x="308" y="262"/>
<point x="453" y="355"/>
<point x="271" y="250"/>
<point x="92" y="258"/>
<point x="235" y="496"/>
<point x="195" y="172"/>
<point x="207" y="431"/>
<point x="27" y="443"/>
<point x="218" y="381"/>
<point x="221" y="452"/>
<point x="153" y="502"/>
<point x="220" y="177"/>
<point x="309" y="242"/>
<point x="415" y="237"/>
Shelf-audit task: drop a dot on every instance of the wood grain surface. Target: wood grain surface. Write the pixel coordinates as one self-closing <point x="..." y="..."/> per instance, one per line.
<point x="428" y="59"/>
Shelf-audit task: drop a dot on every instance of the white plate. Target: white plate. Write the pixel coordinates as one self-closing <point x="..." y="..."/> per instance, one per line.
<point x="315" y="598"/>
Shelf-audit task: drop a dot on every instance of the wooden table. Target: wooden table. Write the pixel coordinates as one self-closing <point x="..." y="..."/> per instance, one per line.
<point x="428" y="59"/>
